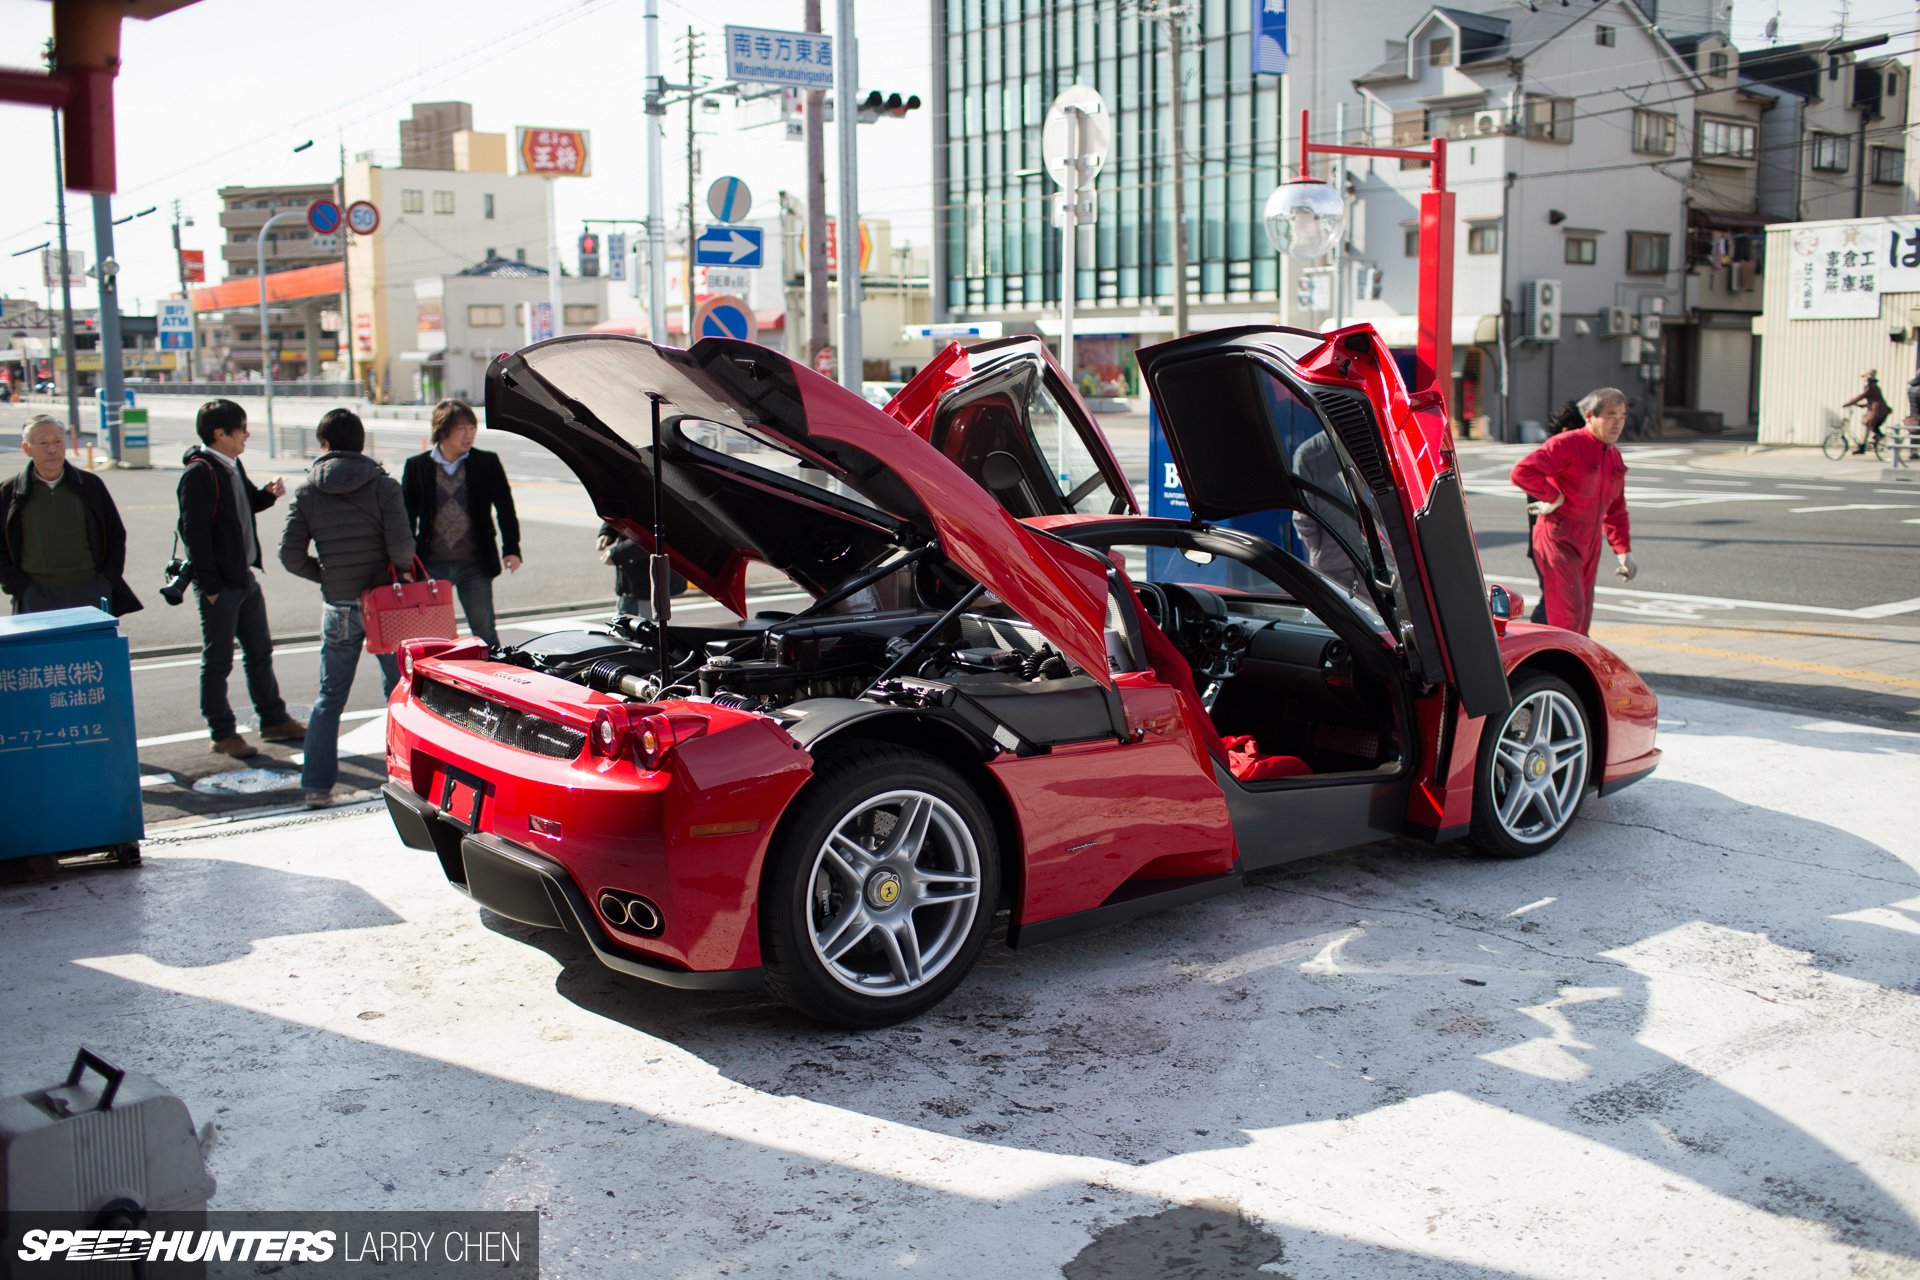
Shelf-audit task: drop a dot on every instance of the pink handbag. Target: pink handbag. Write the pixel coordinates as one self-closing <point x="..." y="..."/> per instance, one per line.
<point x="396" y="611"/>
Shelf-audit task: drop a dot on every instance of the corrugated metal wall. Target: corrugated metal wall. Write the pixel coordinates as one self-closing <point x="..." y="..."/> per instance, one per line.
<point x="1808" y="367"/>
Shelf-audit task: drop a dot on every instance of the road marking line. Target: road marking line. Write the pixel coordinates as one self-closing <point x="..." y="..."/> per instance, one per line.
<point x="1890" y="610"/>
<point x="155" y="780"/>
<point x="1612" y="636"/>
<point x="167" y="739"/>
<point x="163" y="665"/>
<point x="1826" y="488"/>
<point x="1853" y="506"/>
<point x="1902" y="493"/>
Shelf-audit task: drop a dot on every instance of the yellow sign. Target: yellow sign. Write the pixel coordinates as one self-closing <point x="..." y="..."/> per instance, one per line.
<point x="130" y="361"/>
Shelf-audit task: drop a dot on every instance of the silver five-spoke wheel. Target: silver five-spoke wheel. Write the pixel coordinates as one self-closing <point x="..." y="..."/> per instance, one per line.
<point x="893" y="893"/>
<point x="1533" y="770"/>
<point x="880" y="889"/>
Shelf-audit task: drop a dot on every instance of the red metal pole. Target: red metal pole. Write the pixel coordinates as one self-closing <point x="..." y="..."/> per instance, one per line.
<point x="1306" y="148"/>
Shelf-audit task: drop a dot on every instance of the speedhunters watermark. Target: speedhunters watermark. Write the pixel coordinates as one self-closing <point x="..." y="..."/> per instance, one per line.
<point x="326" y="1246"/>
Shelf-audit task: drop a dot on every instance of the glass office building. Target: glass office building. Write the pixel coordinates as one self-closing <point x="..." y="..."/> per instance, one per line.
<point x="1000" y="63"/>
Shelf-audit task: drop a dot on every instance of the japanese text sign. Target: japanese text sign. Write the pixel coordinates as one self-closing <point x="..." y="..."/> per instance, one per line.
<point x="1839" y="271"/>
<point x="800" y="59"/>
<point x="552" y="153"/>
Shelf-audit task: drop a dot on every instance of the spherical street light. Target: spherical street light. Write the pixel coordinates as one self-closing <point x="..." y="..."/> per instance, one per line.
<point x="1304" y="218"/>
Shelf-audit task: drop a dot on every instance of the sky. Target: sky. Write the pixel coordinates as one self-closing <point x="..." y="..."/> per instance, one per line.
<point x="220" y="93"/>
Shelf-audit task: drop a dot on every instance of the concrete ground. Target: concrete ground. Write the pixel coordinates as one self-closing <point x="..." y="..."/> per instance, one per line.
<point x="1681" y="1042"/>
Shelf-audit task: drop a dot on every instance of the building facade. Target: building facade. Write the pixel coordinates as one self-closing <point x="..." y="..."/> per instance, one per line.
<point x="998" y="64"/>
<point x="460" y="323"/>
<point x="303" y="331"/>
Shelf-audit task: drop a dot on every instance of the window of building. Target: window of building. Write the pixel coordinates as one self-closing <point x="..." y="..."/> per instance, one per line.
<point x="413" y="201"/>
<point x="1582" y="251"/>
<point x="486" y="315"/>
<point x="520" y="255"/>
<point x="1603" y="35"/>
<point x="1889" y="165"/>
<point x="1411" y="238"/>
<point x="1549" y="119"/>
<point x="1440" y="51"/>
<point x="1483" y="237"/>
<point x="486" y="205"/>
<point x="1409" y="133"/>
<point x="1653" y="132"/>
<point x="582" y="313"/>
<point x="1717" y="64"/>
<point x="1647" y="252"/>
<point x="443" y="202"/>
<point x="1832" y="152"/>
<point x="1726" y="139"/>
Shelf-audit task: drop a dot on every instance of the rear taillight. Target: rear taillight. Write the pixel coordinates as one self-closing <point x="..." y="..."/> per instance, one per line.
<point x="655" y="735"/>
<point x="411" y="651"/>
<point x="610" y="732"/>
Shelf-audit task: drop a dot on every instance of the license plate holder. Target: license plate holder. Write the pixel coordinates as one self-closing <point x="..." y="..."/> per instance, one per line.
<point x="461" y="796"/>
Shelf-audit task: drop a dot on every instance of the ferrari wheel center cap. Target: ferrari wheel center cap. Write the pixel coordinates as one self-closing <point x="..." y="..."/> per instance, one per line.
<point x="1536" y="766"/>
<point x="883" y="890"/>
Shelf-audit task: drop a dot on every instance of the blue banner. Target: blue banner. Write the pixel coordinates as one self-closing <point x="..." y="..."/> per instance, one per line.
<point x="1269" y="37"/>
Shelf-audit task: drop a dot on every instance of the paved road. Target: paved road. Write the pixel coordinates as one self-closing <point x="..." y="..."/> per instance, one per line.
<point x="1805" y="552"/>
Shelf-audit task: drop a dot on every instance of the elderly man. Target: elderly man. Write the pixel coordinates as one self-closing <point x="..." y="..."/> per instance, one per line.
<point x="1576" y="484"/>
<point x="61" y="541"/>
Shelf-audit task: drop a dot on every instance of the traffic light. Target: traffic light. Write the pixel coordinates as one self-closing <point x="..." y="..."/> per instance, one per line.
<point x="877" y="104"/>
<point x="589" y="254"/>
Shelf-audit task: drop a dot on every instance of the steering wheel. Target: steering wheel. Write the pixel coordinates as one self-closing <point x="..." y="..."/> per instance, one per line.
<point x="1197" y="623"/>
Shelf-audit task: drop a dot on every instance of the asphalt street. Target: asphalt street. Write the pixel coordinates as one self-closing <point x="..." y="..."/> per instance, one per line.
<point x="1807" y="550"/>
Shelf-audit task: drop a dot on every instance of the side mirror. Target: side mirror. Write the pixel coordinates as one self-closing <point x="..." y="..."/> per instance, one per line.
<point x="1503" y="605"/>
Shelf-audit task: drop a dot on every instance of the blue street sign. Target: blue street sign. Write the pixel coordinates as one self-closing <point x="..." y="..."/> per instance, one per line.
<point x="175" y="325"/>
<point x="729" y="199"/>
<point x="1269" y="37"/>
<point x="724" y="317"/>
<point x="729" y="247"/>
<point x="616" y="255"/>
<point x="324" y="217"/>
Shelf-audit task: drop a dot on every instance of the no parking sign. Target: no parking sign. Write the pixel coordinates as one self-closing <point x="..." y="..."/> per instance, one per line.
<point x="725" y="316"/>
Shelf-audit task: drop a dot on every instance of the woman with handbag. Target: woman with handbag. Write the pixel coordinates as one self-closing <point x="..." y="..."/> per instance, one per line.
<point x="351" y="513"/>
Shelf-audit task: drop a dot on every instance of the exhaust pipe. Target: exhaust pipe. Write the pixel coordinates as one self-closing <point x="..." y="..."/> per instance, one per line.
<point x="630" y="910"/>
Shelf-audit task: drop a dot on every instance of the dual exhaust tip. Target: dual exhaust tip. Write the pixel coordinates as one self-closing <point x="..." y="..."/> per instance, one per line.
<point x="630" y="911"/>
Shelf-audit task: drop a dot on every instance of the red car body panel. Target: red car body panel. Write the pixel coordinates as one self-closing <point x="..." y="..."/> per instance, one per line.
<point x="1093" y="820"/>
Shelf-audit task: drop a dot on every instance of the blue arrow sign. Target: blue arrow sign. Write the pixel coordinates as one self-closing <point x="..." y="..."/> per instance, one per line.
<point x="729" y="247"/>
<point x="725" y="320"/>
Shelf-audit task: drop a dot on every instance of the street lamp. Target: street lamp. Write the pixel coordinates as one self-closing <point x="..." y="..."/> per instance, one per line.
<point x="1307" y="211"/>
<point x="130" y="217"/>
<point x="266" y="357"/>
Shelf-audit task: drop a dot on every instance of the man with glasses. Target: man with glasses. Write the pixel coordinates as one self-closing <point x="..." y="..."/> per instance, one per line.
<point x="1576" y="485"/>
<point x="62" y="544"/>
<point x="217" y="508"/>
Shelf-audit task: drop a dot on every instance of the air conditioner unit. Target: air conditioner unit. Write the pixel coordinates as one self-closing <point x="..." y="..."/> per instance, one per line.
<point x="1540" y="311"/>
<point x="1485" y="122"/>
<point x="1630" y="350"/>
<point x="1619" y="322"/>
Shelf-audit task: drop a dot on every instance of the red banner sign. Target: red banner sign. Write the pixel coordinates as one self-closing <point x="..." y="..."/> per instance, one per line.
<point x="554" y="152"/>
<point x="194" y="261"/>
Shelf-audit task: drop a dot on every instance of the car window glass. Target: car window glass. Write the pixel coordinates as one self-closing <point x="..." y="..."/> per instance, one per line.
<point x="1077" y="477"/>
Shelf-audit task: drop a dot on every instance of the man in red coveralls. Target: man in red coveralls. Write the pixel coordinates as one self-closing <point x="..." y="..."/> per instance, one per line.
<point x="1576" y="484"/>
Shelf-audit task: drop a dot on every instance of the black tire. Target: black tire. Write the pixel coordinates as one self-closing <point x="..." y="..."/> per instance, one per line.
<point x="1834" y="446"/>
<point x="1879" y="448"/>
<point x="837" y="923"/>
<point x="1524" y="751"/>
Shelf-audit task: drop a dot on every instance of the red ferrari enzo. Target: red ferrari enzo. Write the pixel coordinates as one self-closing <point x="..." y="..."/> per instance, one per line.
<point x="1010" y="689"/>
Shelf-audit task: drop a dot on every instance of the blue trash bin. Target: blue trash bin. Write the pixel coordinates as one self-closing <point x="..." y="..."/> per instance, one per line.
<point x="68" y="760"/>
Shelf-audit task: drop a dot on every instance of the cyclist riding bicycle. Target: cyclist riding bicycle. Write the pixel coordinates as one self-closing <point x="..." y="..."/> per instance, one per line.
<point x="1878" y="411"/>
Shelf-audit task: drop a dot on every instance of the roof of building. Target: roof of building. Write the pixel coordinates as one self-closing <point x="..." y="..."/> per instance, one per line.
<point x="1481" y="37"/>
<point x="503" y="268"/>
<point x="1797" y="67"/>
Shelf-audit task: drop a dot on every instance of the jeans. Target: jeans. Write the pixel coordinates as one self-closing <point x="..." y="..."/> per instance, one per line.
<point x="343" y="636"/>
<point x="240" y="614"/>
<point x="39" y="599"/>
<point x="474" y="586"/>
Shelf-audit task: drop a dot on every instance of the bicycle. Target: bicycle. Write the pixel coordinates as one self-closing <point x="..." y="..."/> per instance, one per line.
<point x="1840" y="441"/>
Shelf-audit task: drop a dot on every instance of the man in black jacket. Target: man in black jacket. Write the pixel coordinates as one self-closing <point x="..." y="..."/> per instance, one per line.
<point x="453" y="492"/>
<point x="217" y="506"/>
<point x="61" y="541"/>
<point x="350" y="511"/>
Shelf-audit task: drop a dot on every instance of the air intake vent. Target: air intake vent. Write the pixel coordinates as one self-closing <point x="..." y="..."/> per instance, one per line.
<point x="1352" y="421"/>
<point x="501" y="724"/>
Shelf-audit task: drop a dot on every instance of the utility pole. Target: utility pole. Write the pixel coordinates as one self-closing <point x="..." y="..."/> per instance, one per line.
<point x="846" y="64"/>
<point x="66" y="288"/>
<point x="193" y="320"/>
<point x="1174" y="15"/>
<point x="112" y="376"/>
<point x="817" y="331"/>
<point x="344" y="340"/>
<point x="693" y="221"/>
<point x="656" y="191"/>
